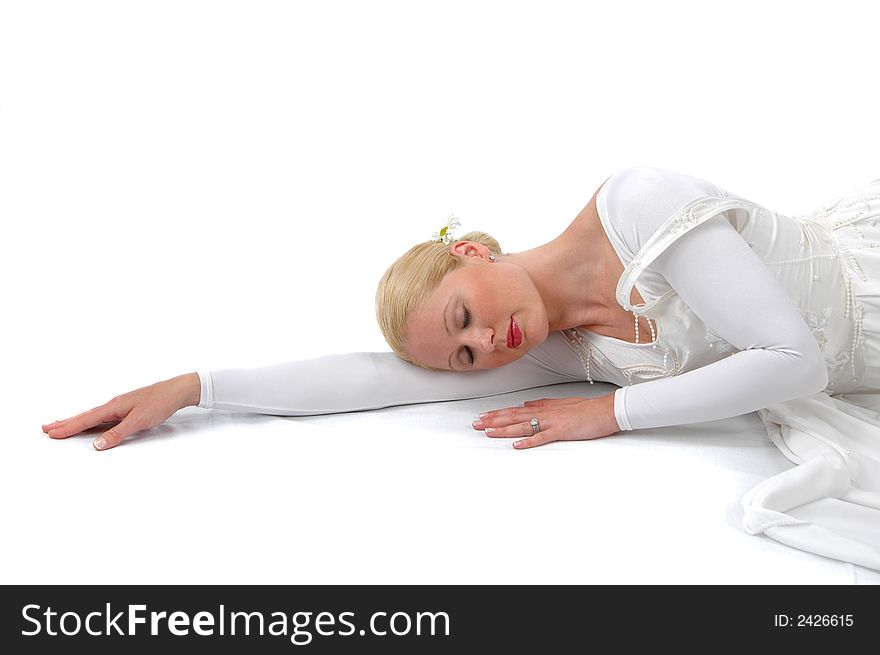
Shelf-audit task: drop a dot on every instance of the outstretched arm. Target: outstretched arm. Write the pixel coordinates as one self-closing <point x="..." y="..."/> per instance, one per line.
<point x="324" y="385"/>
<point x="358" y="381"/>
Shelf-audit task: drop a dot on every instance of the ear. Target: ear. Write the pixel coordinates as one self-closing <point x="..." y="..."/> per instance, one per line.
<point x="470" y="249"/>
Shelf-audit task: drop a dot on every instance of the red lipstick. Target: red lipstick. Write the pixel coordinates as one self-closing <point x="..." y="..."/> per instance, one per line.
<point x="514" y="335"/>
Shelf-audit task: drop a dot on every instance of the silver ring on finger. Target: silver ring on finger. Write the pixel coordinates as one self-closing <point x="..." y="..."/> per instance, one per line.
<point x="536" y="427"/>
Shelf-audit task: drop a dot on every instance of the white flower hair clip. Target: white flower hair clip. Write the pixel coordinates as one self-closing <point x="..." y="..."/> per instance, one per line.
<point x="446" y="232"/>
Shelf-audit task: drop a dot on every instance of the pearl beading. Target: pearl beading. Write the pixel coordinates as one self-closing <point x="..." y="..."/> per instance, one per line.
<point x="855" y="263"/>
<point x="585" y="351"/>
<point x="846" y="221"/>
<point x="653" y="347"/>
<point x="852" y="305"/>
<point x="857" y="337"/>
<point x="653" y="333"/>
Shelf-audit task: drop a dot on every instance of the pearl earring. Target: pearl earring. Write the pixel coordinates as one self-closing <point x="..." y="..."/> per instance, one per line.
<point x="491" y="257"/>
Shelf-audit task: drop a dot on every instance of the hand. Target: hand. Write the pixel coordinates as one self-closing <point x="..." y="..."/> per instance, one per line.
<point x="136" y="410"/>
<point x="560" y="419"/>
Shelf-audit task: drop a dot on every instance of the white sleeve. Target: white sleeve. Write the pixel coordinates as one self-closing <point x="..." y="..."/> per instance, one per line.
<point x="358" y="381"/>
<point x="726" y="284"/>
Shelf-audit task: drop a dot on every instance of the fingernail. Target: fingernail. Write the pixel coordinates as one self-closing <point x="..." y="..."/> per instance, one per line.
<point x="53" y="433"/>
<point x="489" y="430"/>
<point x="100" y="443"/>
<point x="478" y="424"/>
<point x="483" y="414"/>
<point x="517" y="444"/>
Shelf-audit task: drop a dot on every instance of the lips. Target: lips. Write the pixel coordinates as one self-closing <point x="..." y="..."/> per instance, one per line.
<point x="514" y="335"/>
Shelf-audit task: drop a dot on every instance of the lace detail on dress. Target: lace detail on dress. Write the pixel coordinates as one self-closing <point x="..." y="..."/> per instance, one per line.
<point x="817" y="322"/>
<point x="646" y="372"/>
<point x="688" y="219"/>
<point x="835" y="364"/>
<point x="718" y="344"/>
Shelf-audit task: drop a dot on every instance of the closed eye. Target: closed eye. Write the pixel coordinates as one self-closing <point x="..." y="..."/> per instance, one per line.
<point x="467" y="321"/>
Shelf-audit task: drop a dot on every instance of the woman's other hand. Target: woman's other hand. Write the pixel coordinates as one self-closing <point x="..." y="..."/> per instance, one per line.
<point x="560" y="419"/>
<point x="134" y="411"/>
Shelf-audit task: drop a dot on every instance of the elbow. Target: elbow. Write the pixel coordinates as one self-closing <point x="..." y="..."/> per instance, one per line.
<point x="802" y="369"/>
<point x="812" y="374"/>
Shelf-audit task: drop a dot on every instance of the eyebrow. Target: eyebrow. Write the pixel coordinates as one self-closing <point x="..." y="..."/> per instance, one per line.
<point x="446" y="325"/>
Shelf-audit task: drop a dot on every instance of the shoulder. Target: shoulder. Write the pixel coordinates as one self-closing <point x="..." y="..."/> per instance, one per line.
<point x="637" y="200"/>
<point x="658" y="188"/>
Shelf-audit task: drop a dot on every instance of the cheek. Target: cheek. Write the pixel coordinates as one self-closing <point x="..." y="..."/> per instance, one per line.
<point x="493" y="292"/>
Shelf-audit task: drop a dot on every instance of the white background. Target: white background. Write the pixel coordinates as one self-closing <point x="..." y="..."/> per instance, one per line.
<point x="201" y="185"/>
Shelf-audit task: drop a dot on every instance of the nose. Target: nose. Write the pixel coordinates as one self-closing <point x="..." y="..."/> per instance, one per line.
<point x="483" y="339"/>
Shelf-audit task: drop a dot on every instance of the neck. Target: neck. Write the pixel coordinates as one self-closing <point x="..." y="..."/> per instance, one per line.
<point x="571" y="276"/>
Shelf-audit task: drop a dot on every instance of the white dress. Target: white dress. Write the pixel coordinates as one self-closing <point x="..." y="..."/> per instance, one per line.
<point x="828" y="264"/>
<point x="782" y="317"/>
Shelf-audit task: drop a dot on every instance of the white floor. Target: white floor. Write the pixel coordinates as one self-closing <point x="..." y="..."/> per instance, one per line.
<point x="403" y="495"/>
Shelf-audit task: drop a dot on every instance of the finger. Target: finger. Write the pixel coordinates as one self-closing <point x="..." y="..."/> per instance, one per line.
<point x="104" y="414"/>
<point x="502" y="417"/>
<point x="62" y="421"/>
<point x="508" y="415"/>
<point x="520" y="429"/>
<point x="543" y="437"/>
<point x="114" y="436"/>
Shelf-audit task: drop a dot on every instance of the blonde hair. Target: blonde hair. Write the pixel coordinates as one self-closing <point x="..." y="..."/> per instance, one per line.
<point x="408" y="282"/>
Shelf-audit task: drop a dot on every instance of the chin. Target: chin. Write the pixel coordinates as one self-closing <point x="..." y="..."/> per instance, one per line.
<point x="519" y="354"/>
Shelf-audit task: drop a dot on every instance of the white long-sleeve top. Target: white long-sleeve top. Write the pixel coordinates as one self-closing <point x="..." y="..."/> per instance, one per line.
<point x="727" y="285"/>
<point x="711" y="268"/>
